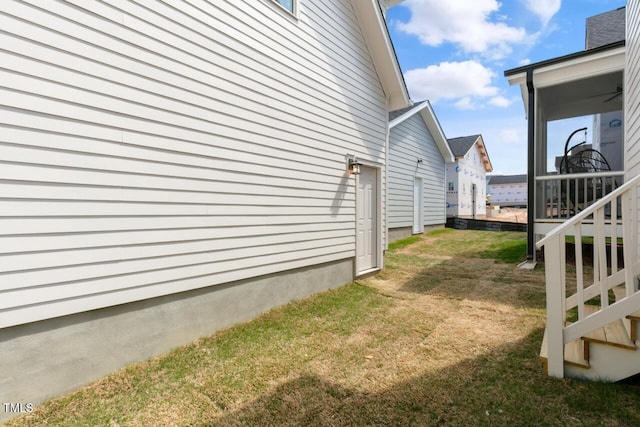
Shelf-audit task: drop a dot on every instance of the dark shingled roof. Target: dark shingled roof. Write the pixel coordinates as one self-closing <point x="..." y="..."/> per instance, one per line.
<point x="461" y="145"/>
<point x="507" y="179"/>
<point x="395" y="114"/>
<point x="605" y="28"/>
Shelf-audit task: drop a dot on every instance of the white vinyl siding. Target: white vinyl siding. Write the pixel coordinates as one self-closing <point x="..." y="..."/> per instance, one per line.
<point x="152" y="147"/>
<point x="408" y="142"/>
<point x="632" y="89"/>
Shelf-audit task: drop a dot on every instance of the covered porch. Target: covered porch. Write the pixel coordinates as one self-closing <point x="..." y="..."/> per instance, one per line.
<point x="574" y="109"/>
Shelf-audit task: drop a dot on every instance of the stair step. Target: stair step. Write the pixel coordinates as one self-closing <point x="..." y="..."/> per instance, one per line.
<point x="614" y="334"/>
<point x="574" y="353"/>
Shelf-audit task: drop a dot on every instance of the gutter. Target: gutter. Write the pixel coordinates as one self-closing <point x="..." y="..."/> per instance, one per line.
<point x="560" y="59"/>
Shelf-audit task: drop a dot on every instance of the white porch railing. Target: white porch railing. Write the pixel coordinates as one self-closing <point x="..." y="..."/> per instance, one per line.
<point x="564" y="195"/>
<point x="606" y="272"/>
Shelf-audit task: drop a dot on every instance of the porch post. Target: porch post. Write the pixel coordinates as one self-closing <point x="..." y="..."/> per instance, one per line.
<point x="531" y="178"/>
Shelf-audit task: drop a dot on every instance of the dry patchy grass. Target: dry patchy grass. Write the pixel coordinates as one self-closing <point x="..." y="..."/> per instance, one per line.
<point x="448" y="334"/>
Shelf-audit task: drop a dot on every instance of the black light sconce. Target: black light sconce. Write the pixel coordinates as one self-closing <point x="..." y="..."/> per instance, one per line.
<point x="354" y="166"/>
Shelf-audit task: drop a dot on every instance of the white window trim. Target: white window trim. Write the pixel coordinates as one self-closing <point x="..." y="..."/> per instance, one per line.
<point x="294" y="5"/>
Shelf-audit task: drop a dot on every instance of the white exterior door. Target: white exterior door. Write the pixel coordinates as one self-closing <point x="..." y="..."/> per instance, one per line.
<point x="418" y="202"/>
<point x="367" y="215"/>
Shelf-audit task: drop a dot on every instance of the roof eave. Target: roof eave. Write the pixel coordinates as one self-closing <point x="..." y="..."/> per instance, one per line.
<point x="431" y="120"/>
<point x="575" y="66"/>
<point x="433" y="125"/>
<point x="382" y="52"/>
<point x="484" y="154"/>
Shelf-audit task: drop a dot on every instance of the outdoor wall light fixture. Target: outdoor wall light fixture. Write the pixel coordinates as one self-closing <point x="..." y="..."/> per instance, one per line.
<point x="354" y="166"/>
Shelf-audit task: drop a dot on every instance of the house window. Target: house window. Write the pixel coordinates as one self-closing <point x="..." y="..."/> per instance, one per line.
<point x="450" y="186"/>
<point x="290" y="5"/>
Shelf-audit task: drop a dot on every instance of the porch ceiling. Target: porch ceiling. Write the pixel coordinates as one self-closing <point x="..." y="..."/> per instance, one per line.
<point x="582" y="97"/>
<point x="575" y="85"/>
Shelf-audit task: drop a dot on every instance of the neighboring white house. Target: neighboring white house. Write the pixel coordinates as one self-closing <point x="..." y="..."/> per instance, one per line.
<point x="507" y="190"/>
<point x="466" y="177"/>
<point x="418" y="152"/>
<point x="172" y="168"/>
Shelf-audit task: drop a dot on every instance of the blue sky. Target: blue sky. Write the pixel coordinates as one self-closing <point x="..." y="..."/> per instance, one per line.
<point x="454" y="53"/>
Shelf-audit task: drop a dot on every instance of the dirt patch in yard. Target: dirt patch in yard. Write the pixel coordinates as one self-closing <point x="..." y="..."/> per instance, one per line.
<point x="517" y="215"/>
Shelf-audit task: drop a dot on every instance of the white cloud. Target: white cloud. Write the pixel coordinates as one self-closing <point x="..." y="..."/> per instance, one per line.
<point x="500" y="101"/>
<point x="545" y="9"/>
<point x="463" y="81"/>
<point x="465" y="104"/>
<point x="467" y="24"/>
<point x="513" y="136"/>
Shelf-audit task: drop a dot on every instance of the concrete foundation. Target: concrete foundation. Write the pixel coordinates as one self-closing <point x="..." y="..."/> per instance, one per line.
<point x="404" y="232"/>
<point x="399" y="233"/>
<point x="48" y="358"/>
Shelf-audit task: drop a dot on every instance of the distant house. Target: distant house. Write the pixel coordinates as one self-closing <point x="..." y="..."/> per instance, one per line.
<point x="168" y="171"/>
<point x="466" y="177"/>
<point x="507" y="190"/>
<point x="418" y="152"/>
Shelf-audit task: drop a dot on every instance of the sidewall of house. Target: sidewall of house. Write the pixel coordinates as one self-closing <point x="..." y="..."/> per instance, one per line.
<point x="194" y="150"/>
<point x="632" y="93"/>
<point x="409" y="142"/>
<point x="632" y="90"/>
<point x="154" y="163"/>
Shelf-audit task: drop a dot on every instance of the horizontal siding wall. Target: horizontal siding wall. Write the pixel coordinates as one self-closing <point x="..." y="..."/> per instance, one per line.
<point x="410" y="141"/>
<point x="632" y="89"/>
<point x="150" y="147"/>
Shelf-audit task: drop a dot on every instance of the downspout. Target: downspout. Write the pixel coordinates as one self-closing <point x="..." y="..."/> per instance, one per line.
<point x="531" y="124"/>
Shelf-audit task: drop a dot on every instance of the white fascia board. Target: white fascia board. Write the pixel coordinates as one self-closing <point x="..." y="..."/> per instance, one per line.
<point x="430" y="119"/>
<point x="374" y="28"/>
<point x="395" y="122"/>
<point x="605" y="62"/>
<point x="521" y="80"/>
<point x="432" y="123"/>
<point x="482" y="147"/>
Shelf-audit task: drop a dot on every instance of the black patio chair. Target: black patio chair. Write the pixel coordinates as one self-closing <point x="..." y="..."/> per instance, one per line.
<point x="575" y="195"/>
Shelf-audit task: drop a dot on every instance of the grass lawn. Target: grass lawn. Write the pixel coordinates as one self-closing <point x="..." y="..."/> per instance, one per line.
<point x="448" y="334"/>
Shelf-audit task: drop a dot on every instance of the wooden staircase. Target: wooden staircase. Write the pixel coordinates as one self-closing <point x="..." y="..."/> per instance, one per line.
<point x="583" y="339"/>
<point x="592" y="355"/>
